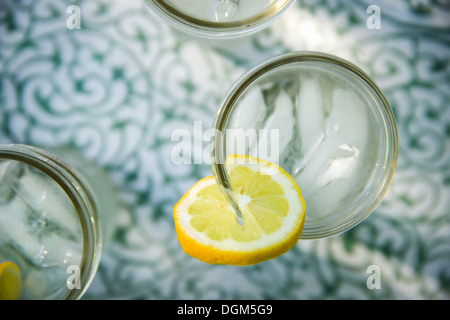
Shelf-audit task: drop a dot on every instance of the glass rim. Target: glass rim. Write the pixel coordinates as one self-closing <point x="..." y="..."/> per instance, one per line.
<point x="208" y="28"/>
<point x="81" y="198"/>
<point x="218" y="155"/>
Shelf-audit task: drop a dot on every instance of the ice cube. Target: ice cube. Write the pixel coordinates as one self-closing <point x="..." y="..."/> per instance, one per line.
<point x="307" y="172"/>
<point x="348" y="119"/>
<point x="211" y="10"/>
<point x="48" y="200"/>
<point x="329" y="200"/>
<point x="310" y="112"/>
<point x="278" y="129"/>
<point x="246" y="117"/>
<point x="10" y="172"/>
<point x="58" y="250"/>
<point x="342" y="164"/>
<point x="328" y="163"/>
<point x="224" y="10"/>
<point x="15" y="230"/>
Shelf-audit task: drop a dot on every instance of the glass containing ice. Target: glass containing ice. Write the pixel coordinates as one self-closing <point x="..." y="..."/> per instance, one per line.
<point x="325" y="122"/>
<point x="53" y="217"/>
<point x="219" y="18"/>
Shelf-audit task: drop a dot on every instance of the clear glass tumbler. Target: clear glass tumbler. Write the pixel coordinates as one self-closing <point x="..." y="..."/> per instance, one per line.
<point x="325" y="122"/>
<point x="53" y="219"/>
<point x="219" y="18"/>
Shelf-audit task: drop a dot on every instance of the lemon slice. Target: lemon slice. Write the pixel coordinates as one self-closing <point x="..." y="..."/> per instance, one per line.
<point x="272" y="207"/>
<point x="10" y="281"/>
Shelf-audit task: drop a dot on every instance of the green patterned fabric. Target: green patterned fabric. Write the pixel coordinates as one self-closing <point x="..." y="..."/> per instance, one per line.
<point x="117" y="88"/>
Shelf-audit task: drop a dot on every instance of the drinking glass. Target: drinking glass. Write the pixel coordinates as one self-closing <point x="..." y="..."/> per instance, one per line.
<point x="325" y="122"/>
<point x="219" y="18"/>
<point x="53" y="219"/>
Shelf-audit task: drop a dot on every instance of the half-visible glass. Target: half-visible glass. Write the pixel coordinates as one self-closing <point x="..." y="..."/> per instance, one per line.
<point x="219" y="18"/>
<point x="53" y="219"/>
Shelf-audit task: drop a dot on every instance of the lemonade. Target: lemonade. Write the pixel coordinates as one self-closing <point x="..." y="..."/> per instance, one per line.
<point x="222" y="10"/>
<point x="219" y="17"/>
<point x="334" y="133"/>
<point x="323" y="136"/>
<point x="52" y="220"/>
<point x="39" y="230"/>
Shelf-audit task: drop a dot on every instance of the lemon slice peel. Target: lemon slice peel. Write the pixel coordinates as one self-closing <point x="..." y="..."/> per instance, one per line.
<point x="11" y="284"/>
<point x="273" y="212"/>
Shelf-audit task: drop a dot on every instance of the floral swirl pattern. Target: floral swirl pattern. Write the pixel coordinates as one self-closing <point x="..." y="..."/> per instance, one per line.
<point x="118" y="87"/>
